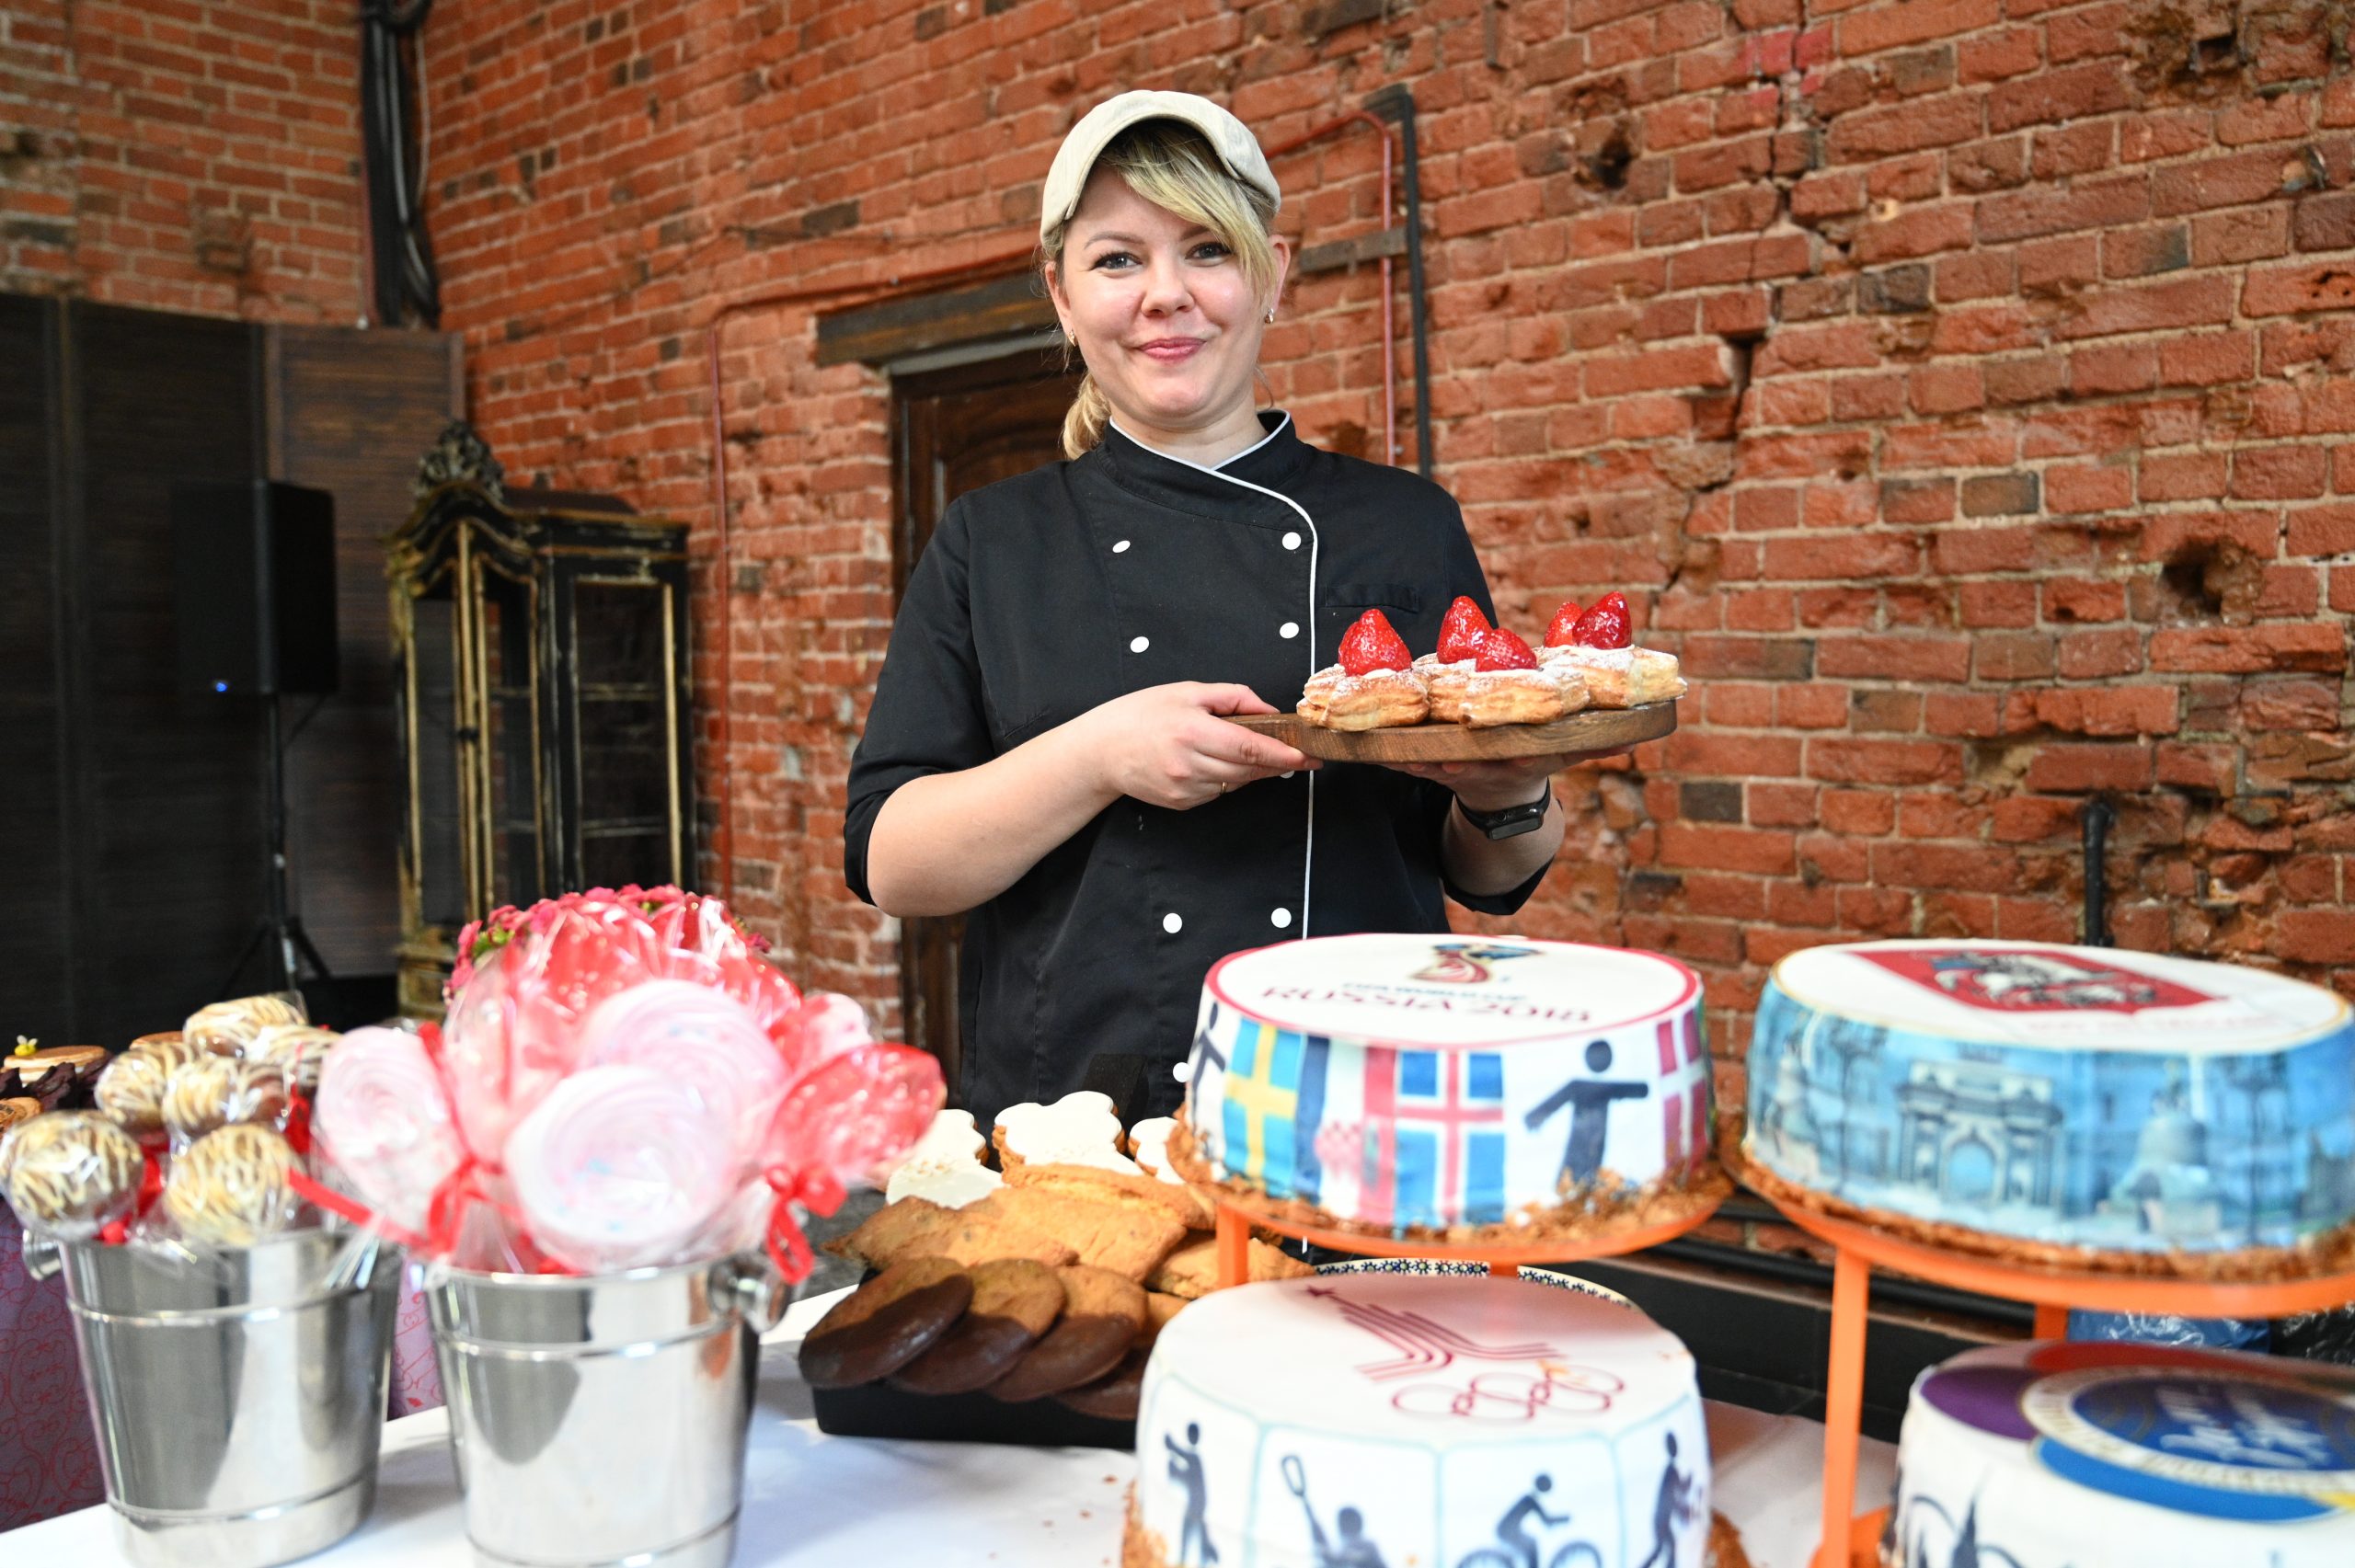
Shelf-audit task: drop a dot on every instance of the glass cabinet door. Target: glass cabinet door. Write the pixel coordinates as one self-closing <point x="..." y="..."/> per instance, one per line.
<point x="626" y="720"/>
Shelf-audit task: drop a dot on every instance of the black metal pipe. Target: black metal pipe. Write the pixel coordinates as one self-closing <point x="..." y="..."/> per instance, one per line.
<point x="2099" y="816"/>
<point x="1397" y="103"/>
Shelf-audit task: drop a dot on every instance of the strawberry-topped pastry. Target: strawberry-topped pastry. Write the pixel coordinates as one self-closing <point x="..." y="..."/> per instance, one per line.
<point x="1597" y="643"/>
<point x="1374" y="687"/>
<point x="1447" y="673"/>
<point x="1508" y="684"/>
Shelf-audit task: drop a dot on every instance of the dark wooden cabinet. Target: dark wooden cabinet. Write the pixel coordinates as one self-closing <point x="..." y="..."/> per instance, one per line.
<point x="133" y="819"/>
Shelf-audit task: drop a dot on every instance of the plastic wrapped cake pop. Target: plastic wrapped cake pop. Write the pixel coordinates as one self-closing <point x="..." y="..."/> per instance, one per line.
<point x="296" y="1050"/>
<point x="216" y="1092"/>
<point x="130" y="1092"/>
<point x="70" y="1174"/>
<point x="231" y="1187"/>
<point x="225" y="1028"/>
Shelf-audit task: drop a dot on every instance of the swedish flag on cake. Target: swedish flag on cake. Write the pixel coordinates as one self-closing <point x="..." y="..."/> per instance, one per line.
<point x="1416" y="1082"/>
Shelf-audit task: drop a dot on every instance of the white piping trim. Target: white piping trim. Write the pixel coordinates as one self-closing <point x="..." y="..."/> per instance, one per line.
<point x="1308" y="859"/>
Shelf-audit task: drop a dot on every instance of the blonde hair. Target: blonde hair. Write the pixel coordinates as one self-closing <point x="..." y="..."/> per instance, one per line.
<point x="1172" y="165"/>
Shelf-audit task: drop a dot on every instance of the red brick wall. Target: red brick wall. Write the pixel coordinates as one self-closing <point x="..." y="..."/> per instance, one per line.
<point x="1960" y="385"/>
<point x="198" y="155"/>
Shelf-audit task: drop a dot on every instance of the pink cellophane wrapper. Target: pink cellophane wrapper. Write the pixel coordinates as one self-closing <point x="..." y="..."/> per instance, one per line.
<point x="704" y="1038"/>
<point x="382" y="1118"/>
<point x="620" y="1168"/>
<point x="858" y="1113"/>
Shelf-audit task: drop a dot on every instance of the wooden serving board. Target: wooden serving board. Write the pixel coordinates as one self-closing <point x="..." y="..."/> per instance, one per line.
<point x="1596" y="729"/>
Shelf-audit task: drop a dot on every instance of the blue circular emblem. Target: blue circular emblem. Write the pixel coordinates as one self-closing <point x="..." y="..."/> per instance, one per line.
<point x="2204" y="1443"/>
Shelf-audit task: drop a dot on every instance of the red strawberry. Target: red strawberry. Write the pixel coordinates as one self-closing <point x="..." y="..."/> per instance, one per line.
<point x="1460" y="633"/>
<point x="1604" y="624"/>
<point x="1373" y="644"/>
<point x="1562" y="631"/>
<point x="1502" y="650"/>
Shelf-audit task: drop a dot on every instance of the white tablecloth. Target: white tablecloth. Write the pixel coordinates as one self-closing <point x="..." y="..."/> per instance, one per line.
<point x="813" y="1499"/>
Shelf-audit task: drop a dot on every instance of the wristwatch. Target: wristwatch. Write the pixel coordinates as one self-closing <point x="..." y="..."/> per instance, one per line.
<point x="1513" y="821"/>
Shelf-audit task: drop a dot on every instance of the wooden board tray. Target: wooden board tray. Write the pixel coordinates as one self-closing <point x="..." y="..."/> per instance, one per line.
<point x="1596" y="729"/>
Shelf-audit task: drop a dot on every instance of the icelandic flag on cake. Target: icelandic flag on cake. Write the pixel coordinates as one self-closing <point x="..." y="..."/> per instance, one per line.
<point x="1434" y="1153"/>
<point x="1274" y="1096"/>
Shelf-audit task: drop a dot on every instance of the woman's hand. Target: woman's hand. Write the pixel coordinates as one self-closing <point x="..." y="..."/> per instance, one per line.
<point x="1493" y="787"/>
<point x="1168" y="745"/>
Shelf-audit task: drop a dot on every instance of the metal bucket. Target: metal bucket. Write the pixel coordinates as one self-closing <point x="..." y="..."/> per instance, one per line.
<point x="238" y="1395"/>
<point x="601" y="1420"/>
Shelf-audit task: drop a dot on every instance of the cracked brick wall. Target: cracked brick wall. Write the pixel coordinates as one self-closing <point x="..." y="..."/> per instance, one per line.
<point x="196" y="156"/>
<point x="1962" y="387"/>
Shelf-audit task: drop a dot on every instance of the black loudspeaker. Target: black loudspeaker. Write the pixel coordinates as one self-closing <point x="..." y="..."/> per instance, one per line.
<point x="253" y="580"/>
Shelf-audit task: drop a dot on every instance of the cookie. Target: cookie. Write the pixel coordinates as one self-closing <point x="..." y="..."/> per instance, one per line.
<point x="17" y="1110"/>
<point x="1192" y="1270"/>
<point x="1147" y="1194"/>
<point x="1113" y="1396"/>
<point x="916" y="1227"/>
<point x="945" y="1166"/>
<point x="1015" y="1302"/>
<point x="885" y="1324"/>
<point x="1105" y="1233"/>
<point x="1103" y="1314"/>
<point x="1079" y="1129"/>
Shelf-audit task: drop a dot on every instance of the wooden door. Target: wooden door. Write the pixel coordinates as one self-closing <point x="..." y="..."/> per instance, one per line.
<point x="956" y="431"/>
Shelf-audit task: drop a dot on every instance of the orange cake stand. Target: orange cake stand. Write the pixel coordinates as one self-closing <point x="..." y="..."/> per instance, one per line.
<point x="1237" y="1218"/>
<point x="1854" y="1542"/>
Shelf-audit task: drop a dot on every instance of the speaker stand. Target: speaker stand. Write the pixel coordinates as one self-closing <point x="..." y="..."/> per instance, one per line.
<point x="280" y="933"/>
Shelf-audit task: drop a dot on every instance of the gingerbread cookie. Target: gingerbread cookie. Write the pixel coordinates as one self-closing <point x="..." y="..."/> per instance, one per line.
<point x="1079" y="1129"/>
<point x="1014" y="1302"/>
<point x="1192" y="1270"/>
<point x="945" y="1166"/>
<point x="1103" y="1314"/>
<point x="885" y="1324"/>
<point x="1129" y="1239"/>
<point x="1145" y="1195"/>
<point x="915" y="1227"/>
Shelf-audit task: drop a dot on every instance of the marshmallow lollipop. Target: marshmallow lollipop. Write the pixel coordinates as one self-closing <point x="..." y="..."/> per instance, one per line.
<point x="230" y="1188"/>
<point x="622" y="1168"/>
<point x="382" y="1118"/>
<point x="71" y="1173"/>
<point x="705" y="1039"/>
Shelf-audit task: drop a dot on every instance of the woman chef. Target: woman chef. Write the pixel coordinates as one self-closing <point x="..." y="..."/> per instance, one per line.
<point x="1045" y="748"/>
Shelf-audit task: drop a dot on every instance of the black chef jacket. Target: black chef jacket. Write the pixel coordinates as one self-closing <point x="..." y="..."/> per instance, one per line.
<point x="1042" y="596"/>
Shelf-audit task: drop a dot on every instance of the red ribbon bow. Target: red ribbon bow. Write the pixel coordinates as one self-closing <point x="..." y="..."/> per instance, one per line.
<point x="815" y="1190"/>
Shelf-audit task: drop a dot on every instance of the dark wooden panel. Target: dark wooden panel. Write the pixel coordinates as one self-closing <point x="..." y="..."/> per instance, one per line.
<point x="913" y="323"/>
<point x="35" y="947"/>
<point x="350" y="413"/>
<point x="168" y="850"/>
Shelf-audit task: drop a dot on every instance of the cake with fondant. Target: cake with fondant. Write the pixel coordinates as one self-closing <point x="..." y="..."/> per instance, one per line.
<point x="1378" y="1417"/>
<point x="2050" y="1455"/>
<point x="2059" y="1105"/>
<point x="1474" y="1088"/>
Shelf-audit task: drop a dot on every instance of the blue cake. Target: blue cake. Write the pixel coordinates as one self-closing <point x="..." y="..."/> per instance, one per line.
<point x="2066" y="1104"/>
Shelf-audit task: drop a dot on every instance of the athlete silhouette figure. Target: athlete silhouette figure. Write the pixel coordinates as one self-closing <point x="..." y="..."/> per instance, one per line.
<point x="1185" y="1469"/>
<point x="1353" y="1550"/>
<point x="1671" y="1508"/>
<point x="1589" y="1101"/>
<point x="1513" y="1529"/>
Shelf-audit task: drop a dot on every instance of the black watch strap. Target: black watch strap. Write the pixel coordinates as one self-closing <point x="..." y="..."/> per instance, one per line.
<point x="1512" y="820"/>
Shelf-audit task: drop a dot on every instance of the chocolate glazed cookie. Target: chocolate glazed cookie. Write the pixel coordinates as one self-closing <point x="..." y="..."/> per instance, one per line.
<point x="885" y="1324"/>
<point x="1103" y="1314"/>
<point x="1015" y="1300"/>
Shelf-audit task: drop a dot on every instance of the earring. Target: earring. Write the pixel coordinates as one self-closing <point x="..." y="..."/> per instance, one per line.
<point x="1271" y="315"/>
